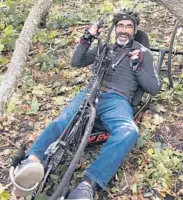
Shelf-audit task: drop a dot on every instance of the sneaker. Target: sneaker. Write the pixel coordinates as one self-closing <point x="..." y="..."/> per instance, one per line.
<point x="83" y="191"/>
<point x="26" y="175"/>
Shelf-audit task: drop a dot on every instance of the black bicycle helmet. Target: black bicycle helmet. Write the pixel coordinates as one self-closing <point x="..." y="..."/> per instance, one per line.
<point x="127" y="14"/>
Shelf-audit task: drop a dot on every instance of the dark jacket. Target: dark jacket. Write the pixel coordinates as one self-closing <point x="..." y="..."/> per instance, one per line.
<point x="123" y="79"/>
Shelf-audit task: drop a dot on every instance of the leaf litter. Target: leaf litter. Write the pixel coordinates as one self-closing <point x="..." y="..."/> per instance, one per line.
<point x="48" y="85"/>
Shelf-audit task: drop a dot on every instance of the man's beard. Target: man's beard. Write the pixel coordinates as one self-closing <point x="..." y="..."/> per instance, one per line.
<point x="123" y="42"/>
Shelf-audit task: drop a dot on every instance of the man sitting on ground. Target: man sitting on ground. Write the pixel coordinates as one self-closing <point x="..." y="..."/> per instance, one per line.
<point x="114" y="109"/>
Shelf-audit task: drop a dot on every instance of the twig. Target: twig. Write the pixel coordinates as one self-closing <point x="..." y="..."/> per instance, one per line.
<point x="136" y="4"/>
<point x="148" y="12"/>
<point x="4" y="168"/>
<point x="110" y="195"/>
<point x="66" y="33"/>
<point x="125" y="177"/>
<point x="145" y="156"/>
<point x="12" y="143"/>
<point x="3" y="68"/>
<point x="33" y="51"/>
<point x="13" y="196"/>
<point x="8" y="185"/>
<point x="125" y="187"/>
<point x="163" y="19"/>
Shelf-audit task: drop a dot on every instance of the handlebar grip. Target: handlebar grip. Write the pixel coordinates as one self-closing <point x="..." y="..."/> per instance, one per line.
<point x="99" y="24"/>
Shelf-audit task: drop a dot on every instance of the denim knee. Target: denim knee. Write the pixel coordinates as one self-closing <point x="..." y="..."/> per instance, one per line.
<point x="126" y="129"/>
<point x="132" y="131"/>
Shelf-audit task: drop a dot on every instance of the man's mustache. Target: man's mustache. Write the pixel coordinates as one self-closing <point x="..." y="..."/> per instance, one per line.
<point x="124" y="34"/>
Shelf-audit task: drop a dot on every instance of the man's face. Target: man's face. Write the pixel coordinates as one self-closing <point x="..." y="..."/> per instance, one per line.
<point x="124" y="31"/>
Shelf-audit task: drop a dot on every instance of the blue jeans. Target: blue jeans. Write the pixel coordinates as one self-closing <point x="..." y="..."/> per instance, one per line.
<point x="116" y="114"/>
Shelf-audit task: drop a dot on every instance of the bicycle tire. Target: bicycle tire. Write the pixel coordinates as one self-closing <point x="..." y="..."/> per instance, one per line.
<point x="62" y="188"/>
<point x="171" y="82"/>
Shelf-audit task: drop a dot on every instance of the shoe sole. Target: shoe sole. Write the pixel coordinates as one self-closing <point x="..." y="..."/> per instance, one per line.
<point x="27" y="177"/>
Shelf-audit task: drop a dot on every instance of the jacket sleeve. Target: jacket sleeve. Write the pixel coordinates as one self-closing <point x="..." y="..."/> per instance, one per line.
<point x="148" y="77"/>
<point x="83" y="56"/>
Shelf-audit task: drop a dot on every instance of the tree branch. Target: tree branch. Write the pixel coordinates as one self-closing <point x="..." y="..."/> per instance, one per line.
<point x="22" y="47"/>
<point x="174" y="6"/>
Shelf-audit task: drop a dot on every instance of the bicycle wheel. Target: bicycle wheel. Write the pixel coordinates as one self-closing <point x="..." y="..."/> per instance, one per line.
<point x="62" y="164"/>
<point x="175" y="56"/>
<point x="63" y="186"/>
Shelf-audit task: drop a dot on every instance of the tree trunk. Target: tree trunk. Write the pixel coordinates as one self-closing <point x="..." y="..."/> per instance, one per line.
<point x="22" y="47"/>
<point x="174" y="6"/>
